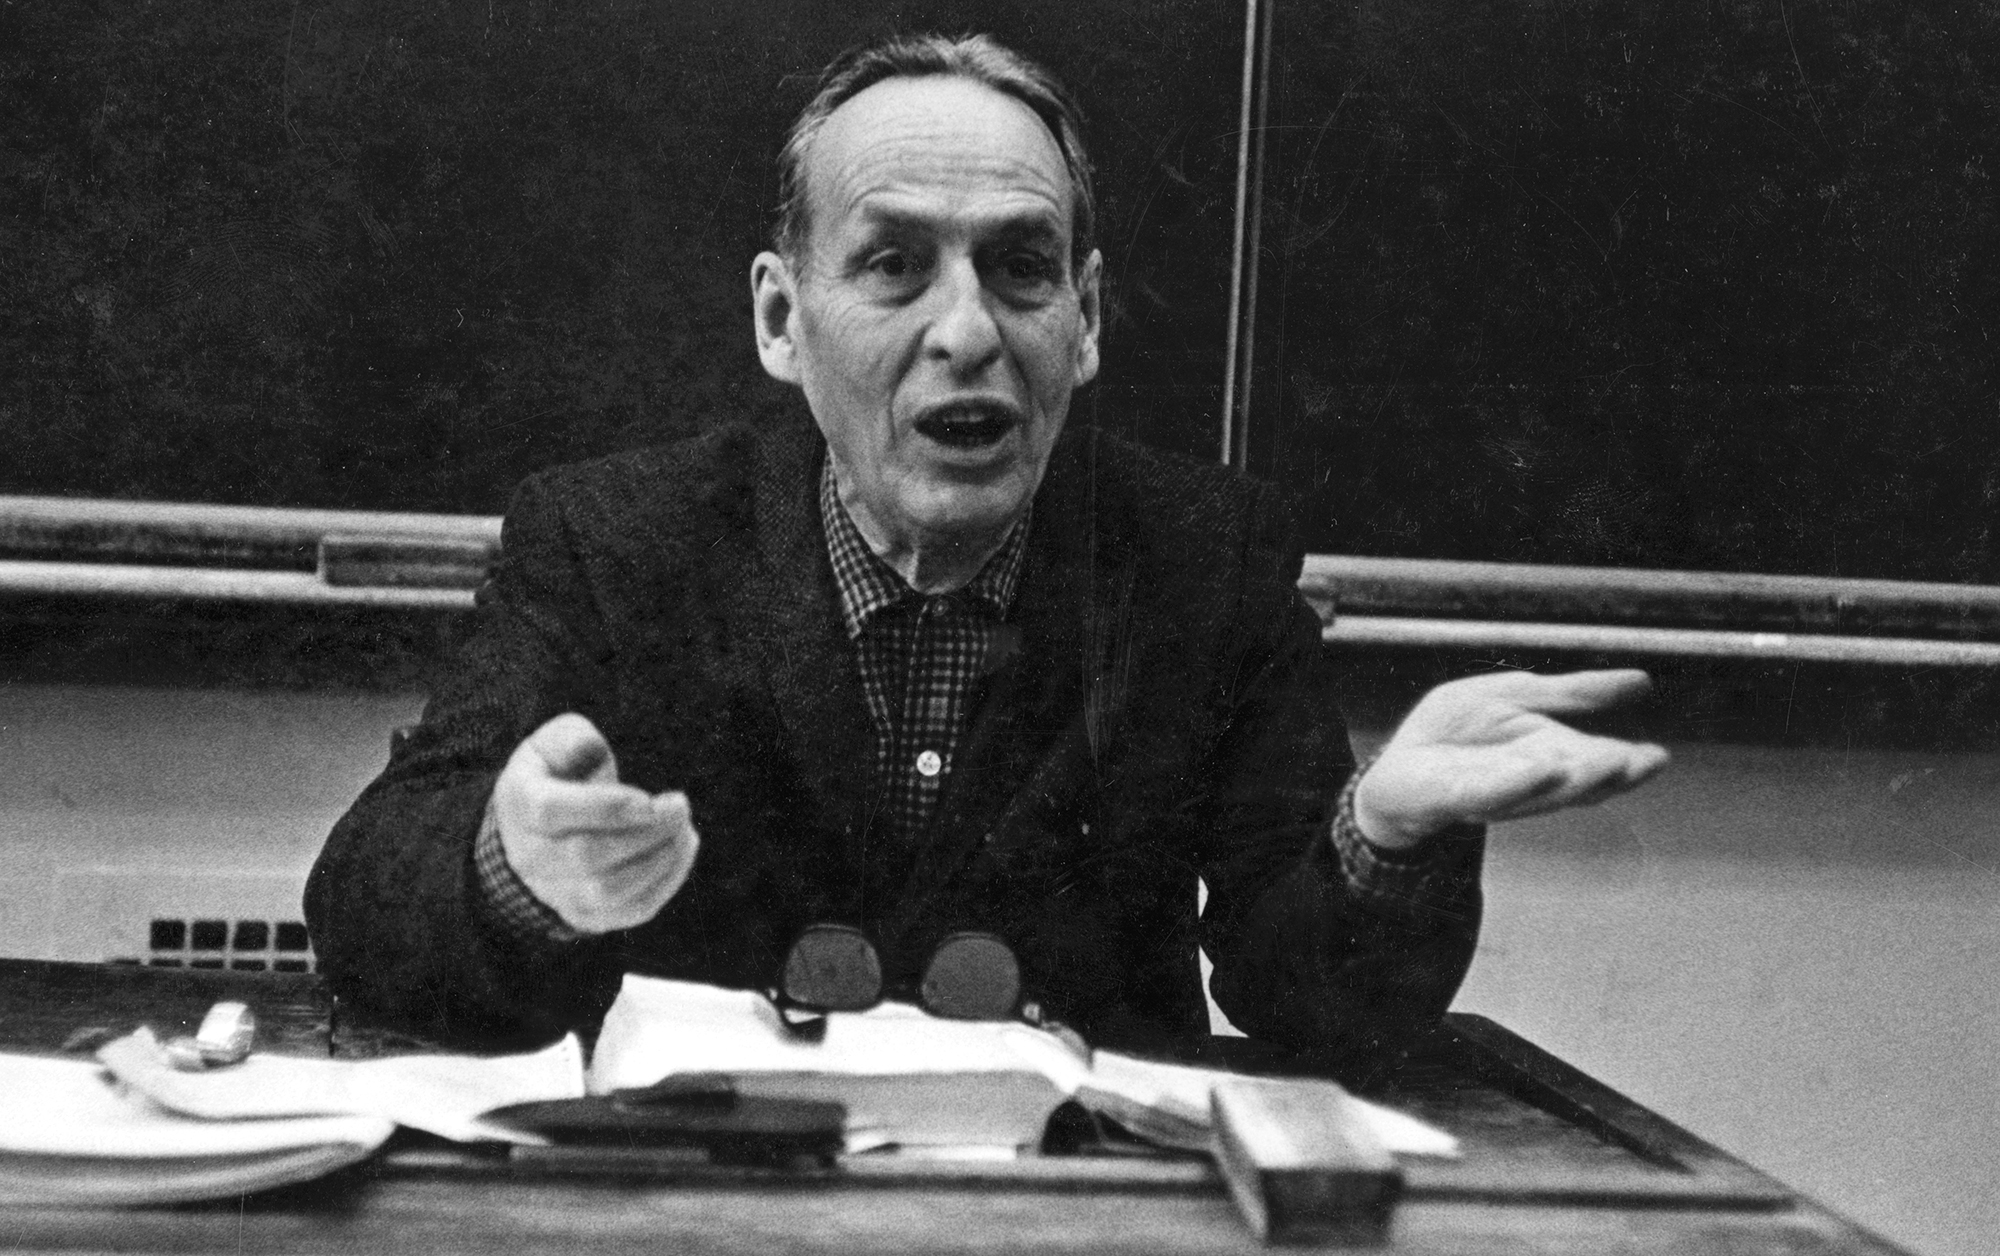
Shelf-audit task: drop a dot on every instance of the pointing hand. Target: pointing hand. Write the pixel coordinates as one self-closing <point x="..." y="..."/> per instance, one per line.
<point x="602" y="854"/>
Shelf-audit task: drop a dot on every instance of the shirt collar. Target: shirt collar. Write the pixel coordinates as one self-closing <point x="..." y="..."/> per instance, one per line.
<point x="869" y="585"/>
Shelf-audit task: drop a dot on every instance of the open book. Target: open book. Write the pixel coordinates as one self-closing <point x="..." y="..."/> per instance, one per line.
<point x="916" y="1080"/>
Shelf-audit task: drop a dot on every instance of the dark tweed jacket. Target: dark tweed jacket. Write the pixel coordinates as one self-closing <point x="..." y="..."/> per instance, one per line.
<point x="1169" y="713"/>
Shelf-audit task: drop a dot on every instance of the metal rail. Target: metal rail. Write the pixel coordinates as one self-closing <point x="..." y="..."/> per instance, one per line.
<point x="67" y="530"/>
<point x="1510" y="592"/>
<point x="198" y="584"/>
<point x="59" y="547"/>
<point x="62" y="547"/>
<point x="1545" y="638"/>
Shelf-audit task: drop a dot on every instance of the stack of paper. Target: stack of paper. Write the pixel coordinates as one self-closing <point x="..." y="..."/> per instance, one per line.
<point x="130" y="1129"/>
<point x="70" y="1135"/>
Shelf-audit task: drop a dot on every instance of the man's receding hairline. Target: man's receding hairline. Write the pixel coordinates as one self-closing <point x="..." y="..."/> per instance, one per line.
<point x="978" y="59"/>
<point x="809" y="136"/>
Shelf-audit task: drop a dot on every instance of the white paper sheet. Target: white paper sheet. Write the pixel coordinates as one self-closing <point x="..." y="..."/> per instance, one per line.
<point x="441" y="1094"/>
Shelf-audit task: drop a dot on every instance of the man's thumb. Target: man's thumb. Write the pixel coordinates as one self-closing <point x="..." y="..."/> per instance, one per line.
<point x="574" y="750"/>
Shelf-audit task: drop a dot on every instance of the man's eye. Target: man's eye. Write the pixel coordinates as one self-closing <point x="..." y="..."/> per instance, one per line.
<point x="892" y="264"/>
<point x="1029" y="269"/>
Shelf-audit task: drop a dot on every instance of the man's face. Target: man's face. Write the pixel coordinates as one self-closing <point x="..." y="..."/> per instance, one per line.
<point x="933" y="319"/>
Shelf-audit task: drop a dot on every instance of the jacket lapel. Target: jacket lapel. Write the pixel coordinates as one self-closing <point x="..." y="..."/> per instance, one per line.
<point x="788" y="607"/>
<point x="1045" y="707"/>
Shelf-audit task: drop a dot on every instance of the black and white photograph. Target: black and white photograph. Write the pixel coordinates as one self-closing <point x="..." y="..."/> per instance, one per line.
<point x="977" y="626"/>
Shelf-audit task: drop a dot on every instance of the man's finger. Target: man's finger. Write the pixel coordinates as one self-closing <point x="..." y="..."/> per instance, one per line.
<point x="1568" y="693"/>
<point x="1603" y="791"/>
<point x="665" y="840"/>
<point x="579" y="808"/>
<point x="651" y="872"/>
<point x="1646" y="762"/>
<point x="673" y="808"/>
<point x="573" y="749"/>
<point x="1506" y="781"/>
<point x="1599" y="769"/>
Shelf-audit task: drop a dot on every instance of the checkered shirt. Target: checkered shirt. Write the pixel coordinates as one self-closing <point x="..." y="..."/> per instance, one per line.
<point x="921" y="658"/>
<point x="1399" y="883"/>
<point x="510" y="904"/>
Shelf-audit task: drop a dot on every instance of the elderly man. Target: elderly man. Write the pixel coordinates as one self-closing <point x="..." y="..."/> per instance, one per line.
<point x="929" y="663"/>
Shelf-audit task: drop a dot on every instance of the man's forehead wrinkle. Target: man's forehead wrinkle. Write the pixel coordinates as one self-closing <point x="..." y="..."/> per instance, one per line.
<point x="896" y="212"/>
<point x="938" y="144"/>
<point x="904" y="168"/>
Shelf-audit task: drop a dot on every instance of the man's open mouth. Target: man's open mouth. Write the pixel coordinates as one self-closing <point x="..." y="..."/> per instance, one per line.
<point x="966" y="427"/>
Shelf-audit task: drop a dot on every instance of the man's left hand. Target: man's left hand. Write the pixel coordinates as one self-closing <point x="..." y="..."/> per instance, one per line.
<point x="1488" y="748"/>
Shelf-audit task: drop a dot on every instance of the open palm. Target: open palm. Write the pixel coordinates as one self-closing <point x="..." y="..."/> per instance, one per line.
<point x="1490" y="748"/>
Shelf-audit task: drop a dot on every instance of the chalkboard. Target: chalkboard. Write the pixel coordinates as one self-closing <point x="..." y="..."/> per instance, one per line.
<point x="1707" y="285"/>
<point x="390" y="255"/>
<point x="1704" y="285"/>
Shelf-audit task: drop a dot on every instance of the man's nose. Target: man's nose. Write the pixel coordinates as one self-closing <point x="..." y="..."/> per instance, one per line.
<point x="962" y="330"/>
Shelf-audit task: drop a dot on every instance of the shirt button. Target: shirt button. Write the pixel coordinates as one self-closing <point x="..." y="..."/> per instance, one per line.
<point x="929" y="764"/>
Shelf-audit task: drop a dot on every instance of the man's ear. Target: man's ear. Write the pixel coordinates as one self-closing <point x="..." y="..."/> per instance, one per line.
<point x="1090" y="301"/>
<point x="773" y="298"/>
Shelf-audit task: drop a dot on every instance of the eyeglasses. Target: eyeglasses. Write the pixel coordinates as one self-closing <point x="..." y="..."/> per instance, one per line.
<point x="970" y="976"/>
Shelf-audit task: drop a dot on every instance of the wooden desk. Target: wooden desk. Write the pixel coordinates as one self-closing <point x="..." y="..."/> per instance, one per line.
<point x="1555" y="1163"/>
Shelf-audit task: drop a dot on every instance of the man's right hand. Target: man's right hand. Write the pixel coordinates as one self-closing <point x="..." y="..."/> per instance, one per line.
<point x="603" y="855"/>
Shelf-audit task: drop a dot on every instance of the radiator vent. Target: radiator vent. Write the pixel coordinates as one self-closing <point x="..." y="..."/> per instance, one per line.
<point x="243" y="945"/>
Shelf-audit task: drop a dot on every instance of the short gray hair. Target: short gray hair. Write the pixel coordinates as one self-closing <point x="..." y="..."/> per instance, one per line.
<point x="979" y="58"/>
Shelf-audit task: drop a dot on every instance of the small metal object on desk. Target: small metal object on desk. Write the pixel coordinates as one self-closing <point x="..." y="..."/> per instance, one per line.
<point x="224" y="1038"/>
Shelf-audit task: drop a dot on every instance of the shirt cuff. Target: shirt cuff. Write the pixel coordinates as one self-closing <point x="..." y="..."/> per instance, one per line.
<point x="510" y="904"/>
<point x="1408" y="882"/>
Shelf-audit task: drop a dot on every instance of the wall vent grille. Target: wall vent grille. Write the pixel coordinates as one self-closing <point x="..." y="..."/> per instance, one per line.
<point x="242" y="945"/>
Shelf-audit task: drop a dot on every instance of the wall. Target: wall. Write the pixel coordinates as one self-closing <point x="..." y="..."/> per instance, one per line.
<point x="1788" y="951"/>
<point x="232" y="790"/>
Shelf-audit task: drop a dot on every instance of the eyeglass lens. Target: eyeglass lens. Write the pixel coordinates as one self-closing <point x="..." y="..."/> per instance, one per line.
<point x="833" y="968"/>
<point x="972" y="976"/>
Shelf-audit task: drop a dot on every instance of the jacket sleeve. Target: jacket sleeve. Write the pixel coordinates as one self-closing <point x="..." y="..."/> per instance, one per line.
<point x="1319" y="941"/>
<point x="394" y="903"/>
